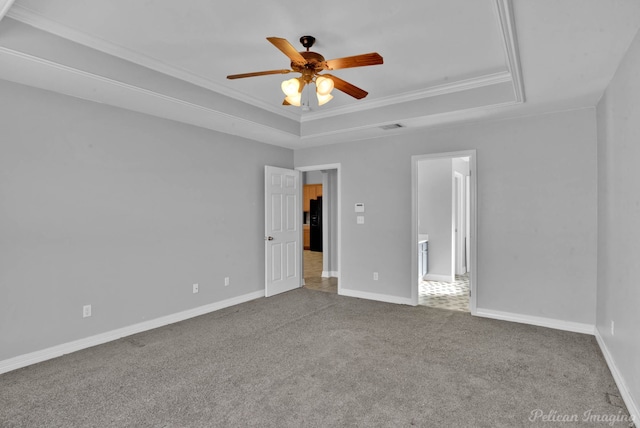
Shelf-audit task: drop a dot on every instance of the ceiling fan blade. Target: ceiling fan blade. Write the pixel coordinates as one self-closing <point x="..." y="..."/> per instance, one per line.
<point x="347" y="87"/>
<point x="285" y="102"/>
<point x="287" y="49"/>
<point x="372" y="58"/>
<point x="257" y="73"/>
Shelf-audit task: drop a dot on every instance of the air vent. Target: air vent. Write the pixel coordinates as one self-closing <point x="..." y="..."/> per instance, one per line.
<point x="391" y="126"/>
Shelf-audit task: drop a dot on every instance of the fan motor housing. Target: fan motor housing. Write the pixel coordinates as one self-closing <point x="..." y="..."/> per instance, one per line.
<point x="315" y="62"/>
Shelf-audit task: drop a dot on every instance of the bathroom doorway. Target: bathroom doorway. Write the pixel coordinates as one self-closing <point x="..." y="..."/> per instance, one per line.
<point x="443" y="189"/>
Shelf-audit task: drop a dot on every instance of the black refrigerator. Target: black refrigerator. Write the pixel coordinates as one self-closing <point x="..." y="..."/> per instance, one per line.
<point x="315" y="224"/>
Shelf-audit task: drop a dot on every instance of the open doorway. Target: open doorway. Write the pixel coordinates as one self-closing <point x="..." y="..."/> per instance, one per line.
<point x="320" y="228"/>
<point x="444" y="231"/>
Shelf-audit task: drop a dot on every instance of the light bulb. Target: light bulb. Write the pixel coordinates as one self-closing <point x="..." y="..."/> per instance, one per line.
<point x="324" y="85"/>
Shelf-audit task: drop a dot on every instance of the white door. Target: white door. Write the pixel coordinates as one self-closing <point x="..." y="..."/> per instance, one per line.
<point x="282" y="230"/>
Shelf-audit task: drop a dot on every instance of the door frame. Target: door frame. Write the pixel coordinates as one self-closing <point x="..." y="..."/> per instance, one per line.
<point x="459" y="211"/>
<point x="337" y="167"/>
<point x="473" y="245"/>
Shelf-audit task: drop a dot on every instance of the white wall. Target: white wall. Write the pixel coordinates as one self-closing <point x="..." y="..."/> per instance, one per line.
<point x="435" y="214"/>
<point x="122" y="211"/>
<point x="618" y="226"/>
<point x="536" y="212"/>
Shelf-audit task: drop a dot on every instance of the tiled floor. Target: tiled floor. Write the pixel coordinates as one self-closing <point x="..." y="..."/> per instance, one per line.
<point x="436" y="294"/>
<point x="445" y="295"/>
<point x="313" y="272"/>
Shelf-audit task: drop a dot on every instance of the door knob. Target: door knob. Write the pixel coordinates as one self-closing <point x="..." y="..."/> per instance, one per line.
<point x="268" y="238"/>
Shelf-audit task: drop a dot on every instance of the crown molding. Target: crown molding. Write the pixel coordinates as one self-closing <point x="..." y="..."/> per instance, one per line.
<point x="174" y="108"/>
<point x="140" y="99"/>
<point x="504" y="10"/>
<point x="505" y="18"/>
<point x="34" y="19"/>
<point x="5" y="5"/>
<point x="466" y="115"/>
<point x="434" y="91"/>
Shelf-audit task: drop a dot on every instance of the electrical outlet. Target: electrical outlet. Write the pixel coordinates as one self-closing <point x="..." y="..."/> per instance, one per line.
<point x="195" y="288"/>
<point x="375" y="276"/>
<point x="86" y="311"/>
<point x="226" y="281"/>
<point x="613" y="330"/>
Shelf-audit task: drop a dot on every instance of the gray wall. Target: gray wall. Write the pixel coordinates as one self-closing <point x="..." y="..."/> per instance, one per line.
<point x="618" y="220"/>
<point x="435" y="214"/>
<point x="537" y="208"/>
<point x="122" y="211"/>
<point x="312" y="177"/>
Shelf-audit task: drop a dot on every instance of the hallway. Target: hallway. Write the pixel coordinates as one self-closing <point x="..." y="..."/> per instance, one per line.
<point x="313" y="271"/>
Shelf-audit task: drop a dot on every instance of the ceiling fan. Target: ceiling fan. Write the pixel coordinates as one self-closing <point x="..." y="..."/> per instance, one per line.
<point x="310" y="65"/>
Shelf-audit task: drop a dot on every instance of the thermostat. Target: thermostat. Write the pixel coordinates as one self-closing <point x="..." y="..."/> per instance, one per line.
<point x="359" y="207"/>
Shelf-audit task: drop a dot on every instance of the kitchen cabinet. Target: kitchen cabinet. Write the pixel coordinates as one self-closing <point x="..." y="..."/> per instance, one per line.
<point x="306" y="237"/>
<point x="423" y="258"/>
<point x="310" y="192"/>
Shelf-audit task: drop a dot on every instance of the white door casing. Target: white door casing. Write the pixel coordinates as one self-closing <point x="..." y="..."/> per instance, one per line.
<point x="283" y="232"/>
<point x="460" y="223"/>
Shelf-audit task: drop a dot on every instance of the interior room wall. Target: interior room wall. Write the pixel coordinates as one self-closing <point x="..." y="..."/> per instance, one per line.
<point x="536" y="212"/>
<point x="618" y="293"/>
<point x="435" y="211"/>
<point x="122" y="211"/>
<point x="312" y="177"/>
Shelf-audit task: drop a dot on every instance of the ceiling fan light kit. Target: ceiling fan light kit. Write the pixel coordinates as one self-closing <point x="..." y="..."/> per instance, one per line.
<point x="310" y="65"/>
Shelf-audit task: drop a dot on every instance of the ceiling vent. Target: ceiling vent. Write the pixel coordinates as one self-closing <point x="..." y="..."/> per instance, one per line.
<point x="391" y="126"/>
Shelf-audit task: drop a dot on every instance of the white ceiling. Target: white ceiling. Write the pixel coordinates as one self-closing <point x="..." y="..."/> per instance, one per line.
<point x="444" y="60"/>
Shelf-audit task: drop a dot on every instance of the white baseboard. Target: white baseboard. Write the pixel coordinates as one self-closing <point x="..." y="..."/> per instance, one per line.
<point x="633" y="407"/>
<point x="87" y="342"/>
<point x="436" y="277"/>
<point x="375" y="296"/>
<point x="575" y="327"/>
<point x="329" y="274"/>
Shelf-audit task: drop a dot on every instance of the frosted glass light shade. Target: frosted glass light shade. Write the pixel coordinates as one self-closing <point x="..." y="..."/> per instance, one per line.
<point x="323" y="99"/>
<point x="291" y="87"/>
<point x="295" y="99"/>
<point x="324" y="85"/>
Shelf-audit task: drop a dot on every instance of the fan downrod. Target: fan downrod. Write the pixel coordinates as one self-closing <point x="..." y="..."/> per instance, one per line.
<point x="307" y="41"/>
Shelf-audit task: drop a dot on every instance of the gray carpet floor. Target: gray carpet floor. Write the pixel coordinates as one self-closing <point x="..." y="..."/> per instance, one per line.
<point x="312" y="359"/>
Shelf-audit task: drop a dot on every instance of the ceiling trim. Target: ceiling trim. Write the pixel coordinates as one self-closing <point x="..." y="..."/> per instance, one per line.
<point x="405" y="128"/>
<point x="34" y="19"/>
<point x="5" y="5"/>
<point x="504" y="9"/>
<point x="434" y="91"/>
<point x="105" y="85"/>
<point x="149" y="101"/>
<point x="504" y="16"/>
<point x="466" y="115"/>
